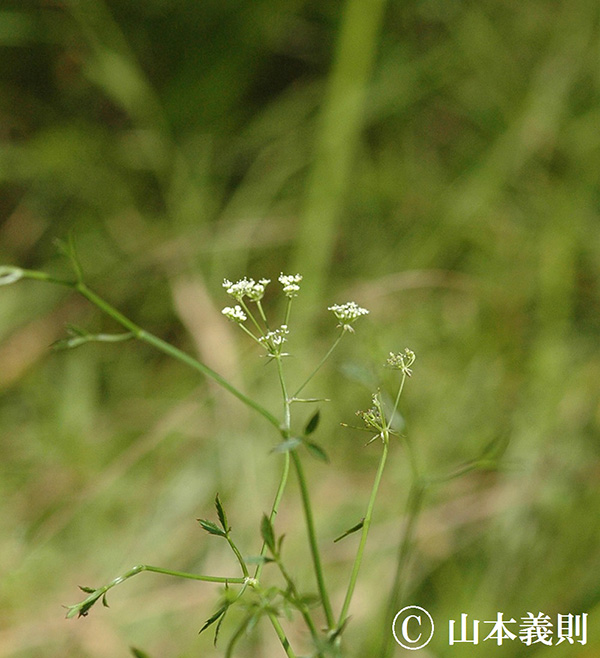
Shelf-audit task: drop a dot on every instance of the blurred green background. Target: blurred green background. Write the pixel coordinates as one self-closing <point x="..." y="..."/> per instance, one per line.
<point x="437" y="162"/>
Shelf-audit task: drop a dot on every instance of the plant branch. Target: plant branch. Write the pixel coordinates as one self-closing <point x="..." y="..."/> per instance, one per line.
<point x="312" y="539"/>
<point x="81" y="609"/>
<point x="319" y="366"/>
<point x="153" y="340"/>
<point x="365" y="532"/>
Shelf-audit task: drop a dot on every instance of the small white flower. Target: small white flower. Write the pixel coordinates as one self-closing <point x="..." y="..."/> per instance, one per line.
<point x="246" y="288"/>
<point x="274" y="340"/>
<point x="290" y="284"/>
<point x="236" y="313"/>
<point x="402" y="361"/>
<point x="347" y="313"/>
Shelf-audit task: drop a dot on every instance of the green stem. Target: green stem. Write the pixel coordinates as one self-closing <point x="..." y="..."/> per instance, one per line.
<point x="274" y="508"/>
<point x="365" y="531"/>
<point x="81" y="608"/>
<point x="287" y="419"/>
<point x="282" y="636"/>
<point x="153" y="340"/>
<point x="238" y="555"/>
<point x="319" y="366"/>
<point x="245" y="329"/>
<point x="288" y="309"/>
<point x="261" y="311"/>
<point x="400" y="389"/>
<point x="252" y="318"/>
<point x="312" y="539"/>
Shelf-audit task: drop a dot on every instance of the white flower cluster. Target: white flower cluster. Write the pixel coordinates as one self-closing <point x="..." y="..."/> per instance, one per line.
<point x="250" y="288"/>
<point x="236" y="313"/>
<point x="402" y="361"/>
<point x="290" y="284"/>
<point x="347" y="313"/>
<point x="274" y="340"/>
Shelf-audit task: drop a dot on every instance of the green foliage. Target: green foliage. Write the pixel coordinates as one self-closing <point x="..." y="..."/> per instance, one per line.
<point x="138" y="653"/>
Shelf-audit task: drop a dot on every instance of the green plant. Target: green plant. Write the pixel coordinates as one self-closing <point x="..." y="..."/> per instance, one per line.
<point x="250" y="590"/>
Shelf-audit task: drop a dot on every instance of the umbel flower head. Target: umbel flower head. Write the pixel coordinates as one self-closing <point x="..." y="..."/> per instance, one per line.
<point x="347" y="313"/>
<point x="402" y="361"/>
<point x="290" y="284"/>
<point x="250" y="288"/>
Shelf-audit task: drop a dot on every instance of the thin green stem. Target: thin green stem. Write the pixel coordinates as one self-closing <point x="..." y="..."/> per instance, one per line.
<point x="365" y="531"/>
<point x="287" y="419"/>
<point x="252" y="318"/>
<point x="320" y="365"/>
<point x="282" y="636"/>
<point x="82" y="607"/>
<point x="288" y="309"/>
<point x="274" y="508"/>
<point x="153" y="340"/>
<point x="459" y="472"/>
<point x="246" y="330"/>
<point x="238" y="555"/>
<point x="312" y="539"/>
<point x="261" y="311"/>
<point x="400" y="389"/>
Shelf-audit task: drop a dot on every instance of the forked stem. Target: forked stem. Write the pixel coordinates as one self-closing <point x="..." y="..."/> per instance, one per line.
<point x="151" y="339"/>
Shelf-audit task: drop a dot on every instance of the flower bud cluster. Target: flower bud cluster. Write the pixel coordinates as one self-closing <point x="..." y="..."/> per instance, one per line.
<point x="373" y="416"/>
<point x="402" y="361"/>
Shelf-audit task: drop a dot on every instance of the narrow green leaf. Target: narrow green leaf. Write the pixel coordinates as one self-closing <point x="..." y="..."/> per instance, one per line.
<point x="104" y="601"/>
<point x="266" y="530"/>
<point x="351" y="530"/>
<point x="74" y="330"/>
<point x="279" y="543"/>
<point x="68" y="249"/>
<point x="313" y="423"/>
<point x="221" y="514"/>
<point x="87" y="590"/>
<point x="288" y="445"/>
<point x="211" y="528"/>
<point x="218" y="626"/>
<point x="316" y="451"/>
<point x="211" y="620"/>
<point x="258" y="559"/>
<point x="495" y="449"/>
<point x="138" y="653"/>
